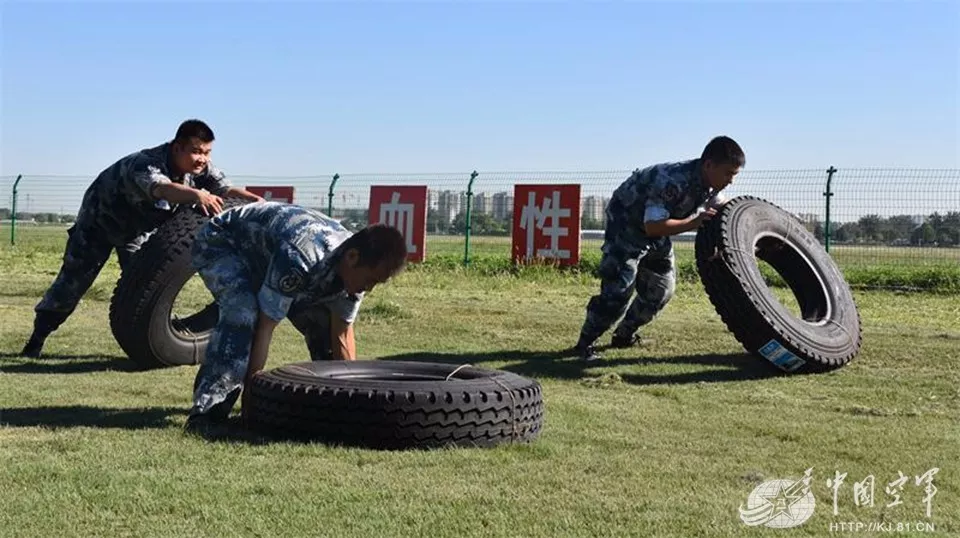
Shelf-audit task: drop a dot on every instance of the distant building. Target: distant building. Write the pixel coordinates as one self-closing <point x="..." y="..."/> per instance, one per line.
<point x="592" y="208"/>
<point x="448" y="205"/>
<point x="502" y="205"/>
<point x="482" y="203"/>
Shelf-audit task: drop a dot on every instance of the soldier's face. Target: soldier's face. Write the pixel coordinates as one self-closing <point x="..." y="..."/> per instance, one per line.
<point x="358" y="279"/>
<point x="192" y="157"/>
<point x="719" y="176"/>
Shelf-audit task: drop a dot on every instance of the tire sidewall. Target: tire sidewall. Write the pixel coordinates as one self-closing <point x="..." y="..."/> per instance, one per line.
<point x="832" y="340"/>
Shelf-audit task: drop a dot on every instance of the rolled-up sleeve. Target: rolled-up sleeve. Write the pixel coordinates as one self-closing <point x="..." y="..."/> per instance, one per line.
<point x="214" y="181"/>
<point x="656" y="205"/>
<point x="655" y="209"/>
<point x="145" y="178"/>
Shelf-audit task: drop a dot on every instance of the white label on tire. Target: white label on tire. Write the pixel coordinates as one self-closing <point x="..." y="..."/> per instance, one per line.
<point x="780" y="356"/>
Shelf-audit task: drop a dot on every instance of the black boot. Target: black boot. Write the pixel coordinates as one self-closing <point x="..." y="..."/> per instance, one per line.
<point x="34" y="345"/>
<point x="43" y="326"/>
<point x="586" y="351"/>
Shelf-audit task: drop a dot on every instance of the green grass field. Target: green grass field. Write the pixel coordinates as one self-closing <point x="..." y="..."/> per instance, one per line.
<point x="664" y="440"/>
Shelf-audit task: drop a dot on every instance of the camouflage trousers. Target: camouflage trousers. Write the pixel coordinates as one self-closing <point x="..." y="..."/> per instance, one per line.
<point x="227" y="275"/>
<point x="646" y="265"/>
<point x="86" y="253"/>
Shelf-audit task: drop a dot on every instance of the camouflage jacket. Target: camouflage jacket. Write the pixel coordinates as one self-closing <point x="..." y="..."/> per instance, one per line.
<point x="291" y="253"/>
<point x="658" y="192"/>
<point x="119" y="203"/>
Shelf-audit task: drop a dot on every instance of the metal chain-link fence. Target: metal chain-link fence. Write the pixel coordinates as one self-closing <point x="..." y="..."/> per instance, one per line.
<point x="865" y="217"/>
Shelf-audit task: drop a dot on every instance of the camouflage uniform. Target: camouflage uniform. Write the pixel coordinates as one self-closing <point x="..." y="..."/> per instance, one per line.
<point x="271" y="257"/>
<point x="631" y="259"/>
<point x="118" y="213"/>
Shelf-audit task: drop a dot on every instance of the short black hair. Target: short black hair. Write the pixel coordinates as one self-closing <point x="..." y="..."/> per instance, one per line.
<point x="378" y="244"/>
<point x="194" y="128"/>
<point x="724" y="150"/>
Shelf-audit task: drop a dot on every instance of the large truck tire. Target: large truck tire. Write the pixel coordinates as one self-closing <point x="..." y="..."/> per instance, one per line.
<point x="142" y="304"/>
<point x="388" y="404"/>
<point x="827" y="335"/>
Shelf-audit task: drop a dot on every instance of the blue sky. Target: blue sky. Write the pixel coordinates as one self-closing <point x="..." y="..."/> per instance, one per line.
<point x="308" y="88"/>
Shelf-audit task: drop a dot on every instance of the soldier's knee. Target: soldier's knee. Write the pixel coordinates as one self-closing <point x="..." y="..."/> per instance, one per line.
<point x="669" y="290"/>
<point x="617" y="274"/>
<point x="609" y="304"/>
<point x="661" y="289"/>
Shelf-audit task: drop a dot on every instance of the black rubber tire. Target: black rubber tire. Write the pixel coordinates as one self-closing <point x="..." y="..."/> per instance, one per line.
<point x="143" y="298"/>
<point x="394" y="404"/>
<point x="826" y="337"/>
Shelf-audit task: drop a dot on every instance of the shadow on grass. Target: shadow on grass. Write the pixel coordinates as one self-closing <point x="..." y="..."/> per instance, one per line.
<point x="146" y="418"/>
<point x="78" y="416"/>
<point x="551" y="364"/>
<point x="548" y="364"/>
<point x="66" y="364"/>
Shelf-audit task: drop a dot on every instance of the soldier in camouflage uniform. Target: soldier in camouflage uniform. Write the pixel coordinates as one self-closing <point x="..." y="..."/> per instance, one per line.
<point x="645" y="210"/>
<point x="267" y="261"/>
<point x="121" y="209"/>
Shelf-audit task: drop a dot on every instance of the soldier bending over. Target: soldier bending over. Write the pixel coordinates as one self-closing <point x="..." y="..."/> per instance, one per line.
<point x="267" y="261"/>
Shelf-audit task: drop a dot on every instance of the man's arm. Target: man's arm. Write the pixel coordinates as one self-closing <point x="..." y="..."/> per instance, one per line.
<point x="216" y="182"/>
<point x="183" y="194"/>
<point x="341" y="339"/>
<point x="261" y="344"/>
<point x="147" y="183"/>
<point x="660" y="228"/>
<point x="657" y="221"/>
<point x="262" y="335"/>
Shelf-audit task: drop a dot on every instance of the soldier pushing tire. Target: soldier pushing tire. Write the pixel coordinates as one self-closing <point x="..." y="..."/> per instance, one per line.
<point x="826" y="335"/>
<point x="126" y="203"/>
<point x="141" y="309"/>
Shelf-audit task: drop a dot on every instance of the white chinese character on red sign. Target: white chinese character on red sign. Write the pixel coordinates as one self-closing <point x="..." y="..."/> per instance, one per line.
<point x="400" y="216"/>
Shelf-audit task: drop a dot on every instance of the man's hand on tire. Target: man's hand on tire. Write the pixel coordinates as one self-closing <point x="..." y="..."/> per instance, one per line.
<point x="707" y="214"/>
<point x="210" y="204"/>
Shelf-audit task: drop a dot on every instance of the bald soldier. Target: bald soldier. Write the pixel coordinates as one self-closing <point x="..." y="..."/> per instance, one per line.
<point x="121" y="209"/>
<point x="653" y="204"/>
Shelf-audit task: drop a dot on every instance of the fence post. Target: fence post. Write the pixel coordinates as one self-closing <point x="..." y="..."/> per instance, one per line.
<point x="828" y="194"/>
<point x="330" y="195"/>
<point x="13" y="214"/>
<point x="466" y="244"/>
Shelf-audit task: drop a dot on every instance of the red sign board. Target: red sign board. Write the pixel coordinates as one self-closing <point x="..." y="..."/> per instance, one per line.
<point x="404" y="208"/>
<point x="546" y="223"/>
<point x="276" y="194"/>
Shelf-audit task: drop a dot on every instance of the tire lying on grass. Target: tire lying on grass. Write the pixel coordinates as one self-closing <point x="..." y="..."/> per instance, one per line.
<point x="142" y="302"/>
<point x="394" y="404"/>
<point x="826" y="336"/>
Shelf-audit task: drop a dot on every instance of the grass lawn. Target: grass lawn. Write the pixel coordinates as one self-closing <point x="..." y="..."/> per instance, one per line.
<point x="666" y="440"/>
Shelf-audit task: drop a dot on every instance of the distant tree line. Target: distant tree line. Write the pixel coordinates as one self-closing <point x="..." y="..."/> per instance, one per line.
<point x="936" y="230"/>
<point x="43" y="218"/>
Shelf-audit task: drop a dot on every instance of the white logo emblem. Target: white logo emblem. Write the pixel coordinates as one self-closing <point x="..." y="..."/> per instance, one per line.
<point x="291" y="281"/>
<point x="780" y="504"/>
